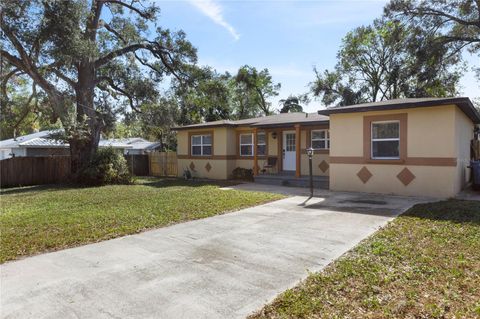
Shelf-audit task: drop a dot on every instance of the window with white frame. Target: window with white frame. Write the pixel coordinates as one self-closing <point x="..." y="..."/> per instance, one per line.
<point x="385" y="140"/>
<point x="320" y="139"/>
<point x="201" y="145"/>
<point x="261" y="143"/>
<point x="246" y="144"/>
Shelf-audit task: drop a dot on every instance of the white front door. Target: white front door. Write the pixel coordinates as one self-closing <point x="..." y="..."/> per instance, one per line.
<point x="289" y="148"/>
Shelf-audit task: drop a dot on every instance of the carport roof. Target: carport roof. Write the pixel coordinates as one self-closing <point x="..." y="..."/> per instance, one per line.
<point x="463" y="103"/>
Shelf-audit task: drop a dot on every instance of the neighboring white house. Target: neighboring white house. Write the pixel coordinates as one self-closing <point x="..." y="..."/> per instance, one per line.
<point x="44" y="144"/>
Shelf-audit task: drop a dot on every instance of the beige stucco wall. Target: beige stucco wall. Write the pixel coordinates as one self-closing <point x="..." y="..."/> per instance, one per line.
<point x="231" y="147"/>
<point x="272" y="145"/>
<point x="182" y="143"/>
<point x="464" y="133"/>
<point x="218" y="170"/>
<point x="244" y="163"/>
<point x="222" y="146"/>
<point x="221" y="140"/>
<point x="226" y="144"/>
<point x="429" y="181"/>
<point x="316" y="160"/>
<point x="433" y="132"/>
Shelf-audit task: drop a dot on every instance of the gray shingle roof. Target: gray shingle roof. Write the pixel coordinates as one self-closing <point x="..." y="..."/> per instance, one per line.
<point x="290" y="118"/>
<point x="265" y="121"/>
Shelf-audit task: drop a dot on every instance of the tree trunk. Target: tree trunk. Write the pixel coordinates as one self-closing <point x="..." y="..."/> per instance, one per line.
<point x="84" y="146"/>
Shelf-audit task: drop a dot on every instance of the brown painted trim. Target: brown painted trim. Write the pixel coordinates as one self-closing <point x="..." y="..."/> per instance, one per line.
<point x="316" y="127"/>
<point x="190" y="134"/>
<point x="289" y="126"/>
<point x="266" y="142"/>
<point x="237" y="142"/>
<point x="347" y="160"/>
<point x="298" y="139"/>
<point x="203" y="126"/>
<point x="413" y="161"/>
<point x="255" y="163"/>
<point x="367" y="143"/>
<point x="432" y="161"/>
<point x="308" y="142"/>
<point x="279" y="150"/>
<point x="262" y="157"/>
<point x="214" y="157"/>
<point x="323" y="151"/>
<point x="223" y="157"/>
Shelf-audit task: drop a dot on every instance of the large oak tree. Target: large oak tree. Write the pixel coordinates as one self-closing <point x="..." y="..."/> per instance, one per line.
<point x="388" y="60"/>
<point x="452" y="23"/>
<point x="87" y="56"/>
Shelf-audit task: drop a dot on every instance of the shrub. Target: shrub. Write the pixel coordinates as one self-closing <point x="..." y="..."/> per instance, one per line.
<point x="243" y="173"/>
<point x="107" y="167"/>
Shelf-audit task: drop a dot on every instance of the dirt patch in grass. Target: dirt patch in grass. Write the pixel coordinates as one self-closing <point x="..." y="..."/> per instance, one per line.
<point x="45" y="218"/>
<point x="424" y="264"/>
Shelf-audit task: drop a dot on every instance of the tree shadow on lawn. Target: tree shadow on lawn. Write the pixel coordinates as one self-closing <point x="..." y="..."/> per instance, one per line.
<point x="175" y="182"/>
<point x="453" y="210"/>
<point x="37" y="188"/>
<point x="141" y="181"/>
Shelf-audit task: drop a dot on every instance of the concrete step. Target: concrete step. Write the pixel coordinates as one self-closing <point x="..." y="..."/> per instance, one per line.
<point x="321" y="182"/>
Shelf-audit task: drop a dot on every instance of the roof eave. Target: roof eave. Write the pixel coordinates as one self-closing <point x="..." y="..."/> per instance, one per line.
<point x="463" y="103"/>
<point x="311" y="123"/>
<point x="43" y="146"/>
<point x="200" y="127"/>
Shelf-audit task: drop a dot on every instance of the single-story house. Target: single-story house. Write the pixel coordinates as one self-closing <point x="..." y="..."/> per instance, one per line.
<point x="43" y="143"/>
<point x="139" y="146"/>
<point x="404" y="146"/>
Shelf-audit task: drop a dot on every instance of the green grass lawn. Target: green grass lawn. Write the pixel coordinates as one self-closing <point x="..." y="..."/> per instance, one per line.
<point x="43" y="218"/>
<point x="424" y="264"/>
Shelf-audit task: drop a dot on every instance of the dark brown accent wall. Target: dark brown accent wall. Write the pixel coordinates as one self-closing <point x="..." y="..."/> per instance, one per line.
<point x="414" y="161"/>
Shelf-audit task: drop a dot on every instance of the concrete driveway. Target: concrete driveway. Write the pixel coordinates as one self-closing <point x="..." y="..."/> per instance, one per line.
<point x="226" y="266"/>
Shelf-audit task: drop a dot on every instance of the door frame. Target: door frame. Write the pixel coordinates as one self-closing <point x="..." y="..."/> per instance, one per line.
<point x="283" y="146"/>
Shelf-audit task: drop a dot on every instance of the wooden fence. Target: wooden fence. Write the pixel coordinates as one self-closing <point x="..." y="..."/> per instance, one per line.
<point x="163" y="163"/>
<point x="22" y="171"/>
<point x="38" y="170"/>
<point x="138" y="165"/>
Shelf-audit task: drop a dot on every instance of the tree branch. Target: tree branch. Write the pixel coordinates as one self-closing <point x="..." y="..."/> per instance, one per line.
<point x="111" y="30"/>
<point x="429" y="11"/>
<point x="112" y="55"/>
<point x="112" y="84"/>
<point x="12" y="59"/>
<point x="143" y="14"/>
<point x="26" y="64"/>
<point x="92" y="25"/>
<point x="447" y="39"/>
<point x="3" y="85"/>
<point x="27" y="107"/>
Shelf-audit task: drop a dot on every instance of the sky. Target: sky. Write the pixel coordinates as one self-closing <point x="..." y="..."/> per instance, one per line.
<point x="287" y="37"/>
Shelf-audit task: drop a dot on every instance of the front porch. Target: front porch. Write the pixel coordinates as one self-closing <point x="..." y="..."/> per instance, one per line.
<point x="286" y="178"/>
<point x="284" y="160"/>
